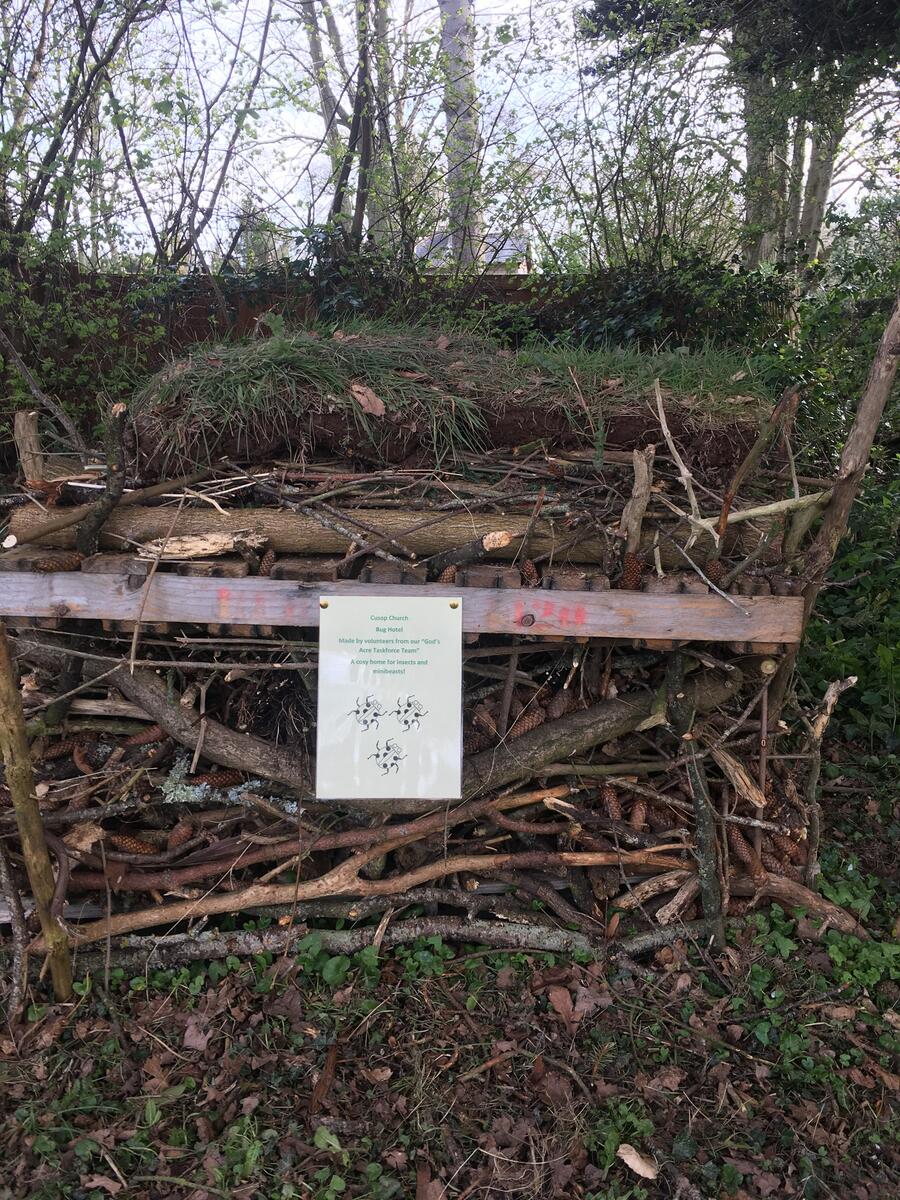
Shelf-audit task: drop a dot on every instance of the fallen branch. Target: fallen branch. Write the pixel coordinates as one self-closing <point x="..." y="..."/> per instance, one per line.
<point x="88" y="535"/>
<point x="345" y="879"/>
<point x="794" y="895"/>
<point x="781" y="418"/>
<point x="20" y="782"/>
<point x="39" y="394"/>
<point x="603" y="722"/>
<point x="19" y="967"/>
<point x="471" y="552"/>
<point x="37" y="528"/>
<point x="173" y="949"/>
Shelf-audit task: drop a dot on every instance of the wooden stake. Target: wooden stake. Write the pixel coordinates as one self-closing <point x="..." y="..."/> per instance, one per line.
<point x="28" y="446"/>
<point x="854" y="460"/>
<point x="20" y="781"/>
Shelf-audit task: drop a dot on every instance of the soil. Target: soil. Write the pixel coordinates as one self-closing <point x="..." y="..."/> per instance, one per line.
<point x="443" y="1073"/>
<point x="707" y="448"/>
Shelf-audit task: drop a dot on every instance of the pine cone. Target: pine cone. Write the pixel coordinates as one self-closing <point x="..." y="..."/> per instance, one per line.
<point x="787" y="847"/>
<point x="58" y="562"/>
<point x="774" y="864"/>
<point x="612" y="802"/>
<point x="126" y="843"/>
<point x="657" y="820"/>
<point x="632" y="570"/>
<point x="483" y="719"/>
<point x="742" y="849"/>
<point x="473" y="741"/>
<point x="531" y="576"/>
<point x="638" y="818"/>
<point x="448" y="575"/>
<point x="715" y="572"/>
<point x="63" y="748"/>
<point x="218" y="779"/>
<point x="153" y="733"/>
<point x="530" y="719"/>
<point x="180" y="834"/>
<point x="559" y="704"/>
<point x="267" y="562"/>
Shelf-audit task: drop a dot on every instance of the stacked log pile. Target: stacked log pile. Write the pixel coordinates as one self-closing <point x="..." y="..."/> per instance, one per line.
<point x="616" y="791"/>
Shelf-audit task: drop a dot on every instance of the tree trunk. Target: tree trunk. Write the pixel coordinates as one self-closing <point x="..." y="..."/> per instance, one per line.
<point x="463" y="143"/>
<point x="795" y="184"/>
<point x="825" y="142"/>
<point x="382" y="195"/>
<point x="327" y="99"/>
<point x="20" y="782"/>
<point x="763" y="182"/>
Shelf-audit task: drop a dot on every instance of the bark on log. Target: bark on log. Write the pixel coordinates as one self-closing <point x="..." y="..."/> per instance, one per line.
<point x="294" y="533"/>
<point x="135" y="953"/>
<point x="28" y="446"/>
<point x="794" y="895"/>
<point x="20" y="782"/>
<point x="484" y="772"/>
<point x="602" y="722"/>
<point x="43" y="529"/>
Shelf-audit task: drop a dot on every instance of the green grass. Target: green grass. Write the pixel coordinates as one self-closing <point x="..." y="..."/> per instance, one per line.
<point x="436" y="386"/>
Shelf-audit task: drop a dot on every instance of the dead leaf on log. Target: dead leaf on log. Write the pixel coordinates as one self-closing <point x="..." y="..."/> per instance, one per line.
<point x="645" y="1167"/>
<point x="367" y="400"/>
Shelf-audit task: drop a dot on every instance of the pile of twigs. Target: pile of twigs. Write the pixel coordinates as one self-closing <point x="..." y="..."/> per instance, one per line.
<point x="609" y="787"/>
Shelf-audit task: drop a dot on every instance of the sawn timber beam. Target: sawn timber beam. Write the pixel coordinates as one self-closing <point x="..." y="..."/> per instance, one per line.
<point x="260" y="601"/>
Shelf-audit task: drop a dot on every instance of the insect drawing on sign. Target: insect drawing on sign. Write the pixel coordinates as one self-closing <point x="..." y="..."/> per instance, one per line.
<point x="409" y="713"/>
<point x="388" y="757"/>
<point x="367" y="712"/>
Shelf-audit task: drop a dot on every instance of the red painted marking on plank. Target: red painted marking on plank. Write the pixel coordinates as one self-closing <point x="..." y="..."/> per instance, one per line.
<point x="223" y="596"/>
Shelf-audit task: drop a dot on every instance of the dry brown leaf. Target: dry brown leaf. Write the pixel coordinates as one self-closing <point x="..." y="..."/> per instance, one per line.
<point x="645" y="1167"/>
<point x="101" y="1181"/>
<point x="196" y="1033"/>
<point x="367" y="400"/>
<point x="669" y="1079"/>
<point x="561" y="1000"/>
<point x="82" y="837"/>
<point x="428" y="1188"/>
<point x="840" y="1012"/>
<point x="443" y="342"/>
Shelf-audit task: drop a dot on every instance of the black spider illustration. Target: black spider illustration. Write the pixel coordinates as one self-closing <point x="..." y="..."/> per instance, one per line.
<point x="368" y="712"/>
<point x="388" y="757"/>
<point x="408" y="713"/>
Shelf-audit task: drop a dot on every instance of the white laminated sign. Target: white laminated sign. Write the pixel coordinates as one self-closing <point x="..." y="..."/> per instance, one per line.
<point x="390" y="698"/>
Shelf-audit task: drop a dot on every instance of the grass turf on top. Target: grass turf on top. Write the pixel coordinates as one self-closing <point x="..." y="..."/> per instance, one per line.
<point x="384" y="382"/>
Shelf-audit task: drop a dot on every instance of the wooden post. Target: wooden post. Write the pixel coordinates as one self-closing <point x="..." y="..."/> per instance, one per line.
<point x="854" y="460"/>
<point x="20" y="781"/>
<point x="28" y="446"/>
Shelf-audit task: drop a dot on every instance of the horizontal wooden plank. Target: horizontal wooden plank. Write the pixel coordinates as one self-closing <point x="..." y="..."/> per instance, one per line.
<point x="258" y="601"/>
